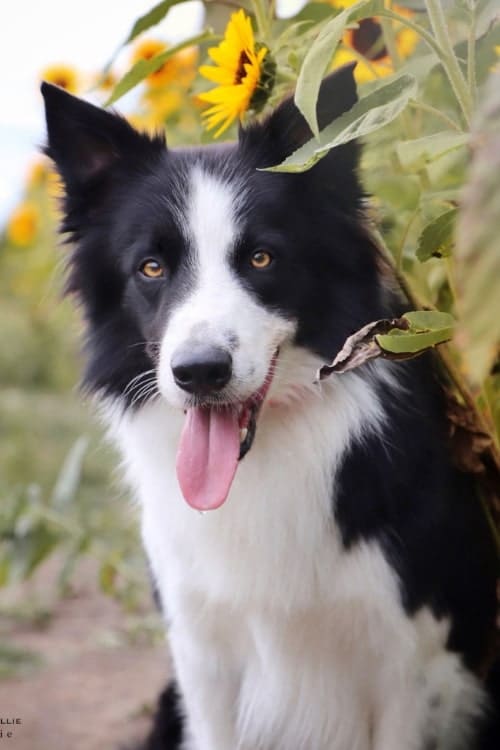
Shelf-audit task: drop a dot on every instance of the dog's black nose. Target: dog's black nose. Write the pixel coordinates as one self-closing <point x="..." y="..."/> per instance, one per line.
<point x="202" y="370"/>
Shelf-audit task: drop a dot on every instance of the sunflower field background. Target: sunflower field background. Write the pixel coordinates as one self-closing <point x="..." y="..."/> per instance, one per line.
<point x="428" y="74"/>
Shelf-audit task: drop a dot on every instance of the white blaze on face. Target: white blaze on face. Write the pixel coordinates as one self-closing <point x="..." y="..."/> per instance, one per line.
<point x="219" y="311"/>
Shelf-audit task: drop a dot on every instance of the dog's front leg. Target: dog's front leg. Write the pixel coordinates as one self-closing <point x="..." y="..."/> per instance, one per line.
<point x="209" y="685"/>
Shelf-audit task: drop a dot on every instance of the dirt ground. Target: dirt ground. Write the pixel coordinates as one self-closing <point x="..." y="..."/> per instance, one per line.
<point x="95" y="688"/>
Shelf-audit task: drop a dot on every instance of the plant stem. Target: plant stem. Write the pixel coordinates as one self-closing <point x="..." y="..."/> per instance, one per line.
<point x="471" y="53"/>
<point x="262" y="16"/>
<point x="448" y="57"/>
<point x="392" y="49"/>
<point x="390" y="41"/>
<point x="436" y="112"/>
<point x="423" y="33"/>
<point x="400" y="251"/>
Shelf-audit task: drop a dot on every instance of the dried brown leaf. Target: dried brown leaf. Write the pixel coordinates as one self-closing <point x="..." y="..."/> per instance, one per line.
<point x="362" y="346"/>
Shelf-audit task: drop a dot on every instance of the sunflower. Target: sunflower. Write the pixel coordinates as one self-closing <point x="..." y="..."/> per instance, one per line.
<point x="365" y="43"/>
<point x="239" y="73"/>
<point x="63" y="76"/>
<point x="23" y="224"/>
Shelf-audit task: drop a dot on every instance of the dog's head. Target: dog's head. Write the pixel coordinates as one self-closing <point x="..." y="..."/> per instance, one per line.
<point x="202" y="277"/>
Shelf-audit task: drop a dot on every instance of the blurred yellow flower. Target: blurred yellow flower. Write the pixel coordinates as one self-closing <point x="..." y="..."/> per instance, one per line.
<point x="178" y="69"/>
<point x="107" y="81"/>
<point x="365" y="43"/>
<point x="161" y="104"/>
<point x="37" y="173"/>
<point x="186" y="61"/>
<point x="61" y="75"/>
<point x="23" y="224"/>
<point x="238" y="71"/>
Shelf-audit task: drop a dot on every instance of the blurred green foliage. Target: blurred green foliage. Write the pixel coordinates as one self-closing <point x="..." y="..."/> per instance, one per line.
<point x="58" y="490"/>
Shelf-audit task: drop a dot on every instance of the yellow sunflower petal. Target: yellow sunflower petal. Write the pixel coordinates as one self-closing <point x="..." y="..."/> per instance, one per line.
<point x="222" y="95"/>
<point x="237" y="71"/>
<point x="215" y="117"/>
<point x="217" y="75"/>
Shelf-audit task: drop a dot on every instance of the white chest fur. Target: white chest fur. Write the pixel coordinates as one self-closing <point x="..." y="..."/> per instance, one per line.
<point x="281" y="639"/>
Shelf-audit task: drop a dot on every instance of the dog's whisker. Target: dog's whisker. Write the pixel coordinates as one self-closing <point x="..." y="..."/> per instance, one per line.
<point x="145" y="391"/>
<point x="143" y="397"/>
<point x="136" y="381"/>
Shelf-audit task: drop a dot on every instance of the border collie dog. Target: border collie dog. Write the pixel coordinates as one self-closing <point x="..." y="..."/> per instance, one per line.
<point x="327" y="576"/>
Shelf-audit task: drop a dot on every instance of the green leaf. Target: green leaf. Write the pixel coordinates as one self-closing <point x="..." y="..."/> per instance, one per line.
<point x="426" y="329"/>
<point x="417" y="5"/>
<point x="372" y="112"/>
<point x="319" y="56"/>
<point x="107" y="577"/>
<point x="143" y="68"/>
<point x="290" y="34"/>
<point x="33" y="548"/>
<point x="151" y="18"/>
<point x="391" y="338"/>
<point x="477" y="256"/>
<point x="417" y="154"/>
<point x="314" y="13"/>
<point x="436" y="240"/>
<point x="420" y="65"/>
<point x="69" y="477"/>
<point x="399" y="342"/>
<point x="428" y="320"/>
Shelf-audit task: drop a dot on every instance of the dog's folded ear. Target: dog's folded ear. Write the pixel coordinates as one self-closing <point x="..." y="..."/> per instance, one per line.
<point x="85" y="142"/>
<point x="286" y="129"/>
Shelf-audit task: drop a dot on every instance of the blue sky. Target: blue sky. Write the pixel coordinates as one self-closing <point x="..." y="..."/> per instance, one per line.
<point x="82" y="33"/>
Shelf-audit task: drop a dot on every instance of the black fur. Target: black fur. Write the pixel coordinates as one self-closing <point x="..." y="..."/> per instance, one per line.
<point x="166" y="733"/>
<point x="427" y="514"/>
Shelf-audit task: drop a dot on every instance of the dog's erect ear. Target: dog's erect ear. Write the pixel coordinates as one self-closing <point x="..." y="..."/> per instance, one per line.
<point x="285" y="130"/>
<point x="85" y="141"/>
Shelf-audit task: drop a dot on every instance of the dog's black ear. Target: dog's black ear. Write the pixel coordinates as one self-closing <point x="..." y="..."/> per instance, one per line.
<point x="85" y="141"/>
<point x="286" y="129"/>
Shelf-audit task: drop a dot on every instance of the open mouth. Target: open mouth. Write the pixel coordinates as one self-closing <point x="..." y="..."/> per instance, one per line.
<point x="213" y="440"/>
<point x="247" y="418"/>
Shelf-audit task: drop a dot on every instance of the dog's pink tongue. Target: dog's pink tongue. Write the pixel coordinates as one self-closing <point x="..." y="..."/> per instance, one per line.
<point x="208" y="456"/>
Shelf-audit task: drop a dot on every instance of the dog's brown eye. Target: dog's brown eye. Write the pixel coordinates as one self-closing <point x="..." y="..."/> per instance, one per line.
<point x="261" y="259"/>
<point x="151" y="269"/>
